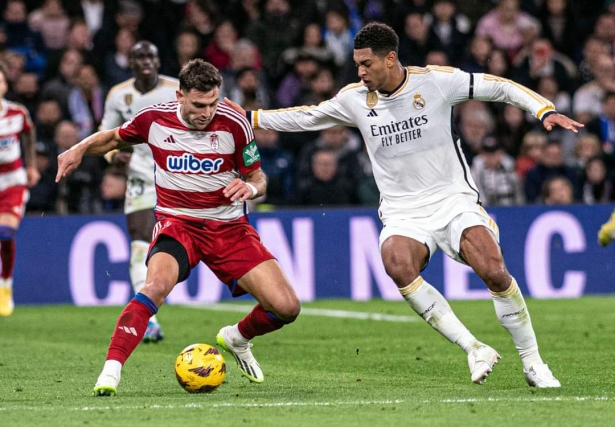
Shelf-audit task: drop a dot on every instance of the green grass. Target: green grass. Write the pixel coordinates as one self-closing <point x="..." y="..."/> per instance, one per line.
<point x="320" y="371"/>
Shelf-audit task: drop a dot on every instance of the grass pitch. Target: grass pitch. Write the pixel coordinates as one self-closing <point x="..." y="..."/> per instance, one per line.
<point x="319" y="371"/>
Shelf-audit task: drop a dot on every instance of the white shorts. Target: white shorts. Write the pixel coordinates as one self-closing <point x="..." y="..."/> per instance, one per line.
<point x="444" y="227"/>
<point x="140" y="195"/>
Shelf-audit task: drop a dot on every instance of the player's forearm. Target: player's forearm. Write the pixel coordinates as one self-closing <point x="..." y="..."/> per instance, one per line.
<point x="297" y="119"/>
<point x="259" y="180"/>
<point x="492" y="88"/>
<point x="29" y="144"/>
<point x="100" y="143"/>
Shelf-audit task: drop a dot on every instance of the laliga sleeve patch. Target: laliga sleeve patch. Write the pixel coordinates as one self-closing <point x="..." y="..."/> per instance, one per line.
<point x="250" y="154"/>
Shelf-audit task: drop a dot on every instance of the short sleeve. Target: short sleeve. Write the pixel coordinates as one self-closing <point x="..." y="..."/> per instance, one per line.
<point x="247" y="157"/>
<point x="137" y="128"/>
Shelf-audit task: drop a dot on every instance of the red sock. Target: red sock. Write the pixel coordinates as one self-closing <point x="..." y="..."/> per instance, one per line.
<point x="258" y="322"/>
<point x="129" y="331"/>
<point x="7" y="254"/>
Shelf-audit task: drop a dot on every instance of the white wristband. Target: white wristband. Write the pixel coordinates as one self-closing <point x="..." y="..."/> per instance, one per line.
<point x="253" y="188"/>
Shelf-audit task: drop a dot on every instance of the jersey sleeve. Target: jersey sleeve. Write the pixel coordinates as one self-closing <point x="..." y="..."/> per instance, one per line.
<point x="247" y="157"/>
<point x="136" y="130"/>
<point x="458" y="86"/>
<point x="111" y="117"/>
<point x="305" y="118"/>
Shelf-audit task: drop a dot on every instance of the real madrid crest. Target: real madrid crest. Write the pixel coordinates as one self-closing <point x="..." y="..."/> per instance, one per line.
<point x="419" y="101"/>
<point x="128" y="99"/>
<point x="214" y="141"/>
<point x="371" y="100"/>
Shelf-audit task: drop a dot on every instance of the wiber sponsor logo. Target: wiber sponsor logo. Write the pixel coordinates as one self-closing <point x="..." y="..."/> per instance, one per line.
<point x="188" y="163"/>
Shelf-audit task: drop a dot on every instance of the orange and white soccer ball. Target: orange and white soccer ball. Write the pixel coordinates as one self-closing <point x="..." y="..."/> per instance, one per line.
<point x="200" y="368"/>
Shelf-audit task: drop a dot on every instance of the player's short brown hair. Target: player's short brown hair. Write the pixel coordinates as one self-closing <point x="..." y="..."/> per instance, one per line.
<point x="199" y="75"/>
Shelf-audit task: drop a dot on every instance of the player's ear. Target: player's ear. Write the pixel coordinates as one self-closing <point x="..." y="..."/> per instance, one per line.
<point x="391" y="59"/>
<point x="180" y="96"/>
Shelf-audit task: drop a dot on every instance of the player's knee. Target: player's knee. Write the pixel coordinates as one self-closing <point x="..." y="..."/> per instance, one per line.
<point x="157" y="291"/>
<point x="288" y="311"/>
<point x="400" y="270"/>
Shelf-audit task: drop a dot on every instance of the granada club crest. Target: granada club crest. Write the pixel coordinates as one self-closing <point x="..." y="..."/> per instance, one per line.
<point x="419" y="101"/>
<point x="214" y="141"/>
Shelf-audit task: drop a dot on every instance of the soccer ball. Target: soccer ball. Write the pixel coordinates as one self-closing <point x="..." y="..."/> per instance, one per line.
<point x="200" y="368"/>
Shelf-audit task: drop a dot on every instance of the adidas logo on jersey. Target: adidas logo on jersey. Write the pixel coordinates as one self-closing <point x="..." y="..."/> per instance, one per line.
<point x="189" y="163"/>
<point x="372" y="113"/>
<point x="169" y="139"/>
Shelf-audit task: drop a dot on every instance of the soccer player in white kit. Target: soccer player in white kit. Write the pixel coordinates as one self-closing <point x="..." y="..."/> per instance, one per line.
<point x="147" y="87"/>
<point x="428" y="199"/>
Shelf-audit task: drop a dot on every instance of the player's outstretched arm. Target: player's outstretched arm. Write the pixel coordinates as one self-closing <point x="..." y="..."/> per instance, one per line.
<point x="96" y="144"/>
<point x="556" y="119"/>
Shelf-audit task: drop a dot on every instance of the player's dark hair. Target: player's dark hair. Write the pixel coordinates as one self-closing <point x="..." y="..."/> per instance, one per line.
<point x="199" y="75"/>
<point x="378" y="37"/>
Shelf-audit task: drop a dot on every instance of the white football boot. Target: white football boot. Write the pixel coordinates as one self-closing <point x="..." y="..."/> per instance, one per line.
<point x="481" y="361"/>
<point x="240" y="349"/>
<point x="541" y="376"/>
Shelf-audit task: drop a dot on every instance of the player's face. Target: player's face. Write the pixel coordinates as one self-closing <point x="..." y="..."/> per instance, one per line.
<point x="198" y="108"/>
<point x="144" y="60"/>
<point x="3" y="85"/>
<point x="373" y="70"/>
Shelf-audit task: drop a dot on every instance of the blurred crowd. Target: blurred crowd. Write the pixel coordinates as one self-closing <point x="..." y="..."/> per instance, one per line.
<point x="64" y="55"/>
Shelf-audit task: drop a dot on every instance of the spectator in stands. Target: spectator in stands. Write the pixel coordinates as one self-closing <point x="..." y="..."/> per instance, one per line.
<point x="476" y="122"/>
<point x="586" y="146"/>
<point x="587" y="100"/>
<point x="187" y="47"/>
<point x="21" y="39"/>
<point x="61" y="85"/>
<point x="530" y="152"/>
<point x="297" y="81"/>
<point x="273" y="33"/>
<point x="557" y="190"/>
<point x="551" y="164"/>
<point x="338" y="36"/>
<point x="325" y="185"/>
<point x="511" y="127"/>
<point x="26" y="92"/>
<point x="597" y="185"/>
<point x="86" y="101"/>
<point x="498" y="63"/>
<point x="437" y="57"/>
<point x="113" y="190"/>
<point x="201" y="17"/>
<point x="478" y="54"/>
<point x="604" y="30"/>
<point x="549" y="88"/>
<point x="245" y="55"/>
<point x="322" y="87"/>
<point x="79" y="193"/>
<point x="80" y="38"/>
<point x="48" y="115"/>
<point x="43" y="196"/>
<point x="416" y="41"/>
<point x="248" y="90"/>
<point x="52" y="22"/>
<point x="116" y="67"/>
<point x="450" y="28"/>
<point x="342" y="143"/>
<point x="278" y="165"/>
<point x="543" y="61"/>
<point x="219" y="50"/>
<point x="603" y="126"/>
<point x="559" y="26"/>
<point x="593" y="49"/>
<point x="313" y="43"/>
<point x="494" y="173"/>
<point x="505" y="25"/>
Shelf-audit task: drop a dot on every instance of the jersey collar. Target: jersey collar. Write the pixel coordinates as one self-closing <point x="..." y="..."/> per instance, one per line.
<point x="399" y="88"/>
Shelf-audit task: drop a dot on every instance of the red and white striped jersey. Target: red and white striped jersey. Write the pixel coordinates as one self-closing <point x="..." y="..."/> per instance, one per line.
<point x="192" y="167"/>
<point x="14" y="120"/>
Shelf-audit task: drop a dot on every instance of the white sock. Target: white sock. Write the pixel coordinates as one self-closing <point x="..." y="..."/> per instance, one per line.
<point x="433" y="308"/>
<point x="234" y="334"/>
<point x="111" y="369"/>
<point x="6" y="283"/>
<point x="512" y="313"/>
<point x="138" y="269"/>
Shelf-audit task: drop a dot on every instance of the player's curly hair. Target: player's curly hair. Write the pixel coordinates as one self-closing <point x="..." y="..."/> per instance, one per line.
<point x="379" y="37"/>
<point x="200" y="75"/>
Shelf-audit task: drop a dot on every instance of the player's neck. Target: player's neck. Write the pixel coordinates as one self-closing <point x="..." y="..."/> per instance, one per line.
<point x="395" y="81"/>
<point x="146" y="84"/>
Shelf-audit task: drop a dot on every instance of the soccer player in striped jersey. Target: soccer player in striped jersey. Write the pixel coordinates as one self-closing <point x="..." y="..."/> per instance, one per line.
<point x="15" y="128"/>
<point x="146" y="88"/>
<point x="428" y="198"/>
<point x="202" y="149"/>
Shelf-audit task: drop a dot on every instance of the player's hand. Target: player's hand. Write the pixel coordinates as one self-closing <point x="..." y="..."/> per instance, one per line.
<point x="235" y="106"/>
<point x="560" y="120"/>
<point x="33" y="176"/>
<point x="238" y="190"/>
<point x="68" y="161"/>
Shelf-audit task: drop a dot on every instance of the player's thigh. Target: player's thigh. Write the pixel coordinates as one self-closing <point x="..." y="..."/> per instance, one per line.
<point x="9" y="220"/>
<point x="140" y="224"/>
<point x="12" y="205"/>
<point x="406" y="247"/>
<point x="269" y="285"/>
<point x="480" y="250"/>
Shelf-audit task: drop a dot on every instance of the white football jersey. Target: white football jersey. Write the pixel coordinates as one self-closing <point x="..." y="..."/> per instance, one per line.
<point x="123" y="102"/>
<point x="415" y="153"/>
